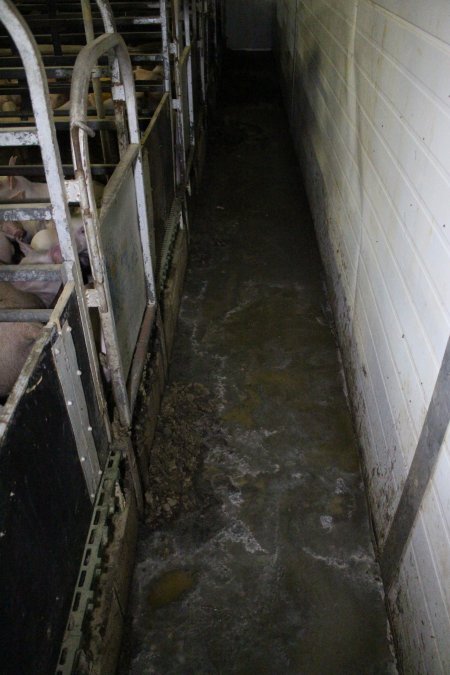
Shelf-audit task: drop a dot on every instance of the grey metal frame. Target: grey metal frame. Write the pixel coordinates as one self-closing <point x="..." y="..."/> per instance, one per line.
<point x="130" y="152"/>
<point x="60" y="191"/>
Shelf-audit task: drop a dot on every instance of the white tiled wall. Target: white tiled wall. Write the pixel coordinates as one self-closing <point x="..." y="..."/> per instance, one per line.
<point x="367" y="87"/>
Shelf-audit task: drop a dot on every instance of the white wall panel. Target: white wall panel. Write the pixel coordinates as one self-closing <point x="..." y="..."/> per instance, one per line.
<point x="367" y="89"/>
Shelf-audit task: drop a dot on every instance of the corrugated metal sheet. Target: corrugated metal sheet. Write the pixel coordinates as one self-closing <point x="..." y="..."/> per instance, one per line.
<point x="367" y="88"/>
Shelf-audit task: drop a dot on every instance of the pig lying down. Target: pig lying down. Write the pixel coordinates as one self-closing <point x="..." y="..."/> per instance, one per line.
<point x="16" y="339"/>
<point x="29" y="243"/>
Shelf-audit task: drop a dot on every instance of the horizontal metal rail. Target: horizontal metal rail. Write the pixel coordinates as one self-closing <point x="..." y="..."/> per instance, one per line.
<point x="23" y="211"/>
<point x="25" y="315"/>
<point x="30" y="272"/>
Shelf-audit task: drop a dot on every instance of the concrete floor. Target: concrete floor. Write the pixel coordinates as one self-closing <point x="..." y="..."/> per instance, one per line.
<point x="274" y="571"/>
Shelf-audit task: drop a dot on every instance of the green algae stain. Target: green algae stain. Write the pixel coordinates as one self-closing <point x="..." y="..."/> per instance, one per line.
<point x="169" y="587"/>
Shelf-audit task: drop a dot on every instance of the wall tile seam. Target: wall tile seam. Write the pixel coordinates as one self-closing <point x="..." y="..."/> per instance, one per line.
<point x="407" y="181"/>
<point x="439" y="500"/>
<point x="399" y="387"/>
<point x="416" y="195"/>
<point x="426" y="603"/>
<point x="436" y="41"/>
<point x="367" y="418"/>
<point x="395" y="18"/>
<point x="396" y="440"/>
<point x="406" y="627"/>
<point x="387" y="342"/>
<point x="424" y="148"/>
<point x="411" y="429"/>
<point x="368" y="421"/>
<point x="355" y="231"/>
<point x="441" y="103"/>
<point x="369" y="425"/>
<point x="400" y="274"/>
<point x="445" y="110"/>
<point x="445" y="174"/>
<point x="423" y="516"/>
<point x="445" y="106"/>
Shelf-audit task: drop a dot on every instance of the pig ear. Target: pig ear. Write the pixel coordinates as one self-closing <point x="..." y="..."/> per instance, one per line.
<point x="56" y="255"/>
<point x="25" y="248"/>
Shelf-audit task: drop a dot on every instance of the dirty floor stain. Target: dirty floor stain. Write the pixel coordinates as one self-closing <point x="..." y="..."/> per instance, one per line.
<point x="275" y="524"/>
<point x="169" y="588"/>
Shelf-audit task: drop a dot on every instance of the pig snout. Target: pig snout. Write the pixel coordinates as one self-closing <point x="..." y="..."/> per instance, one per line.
<point x="79" y="232"/>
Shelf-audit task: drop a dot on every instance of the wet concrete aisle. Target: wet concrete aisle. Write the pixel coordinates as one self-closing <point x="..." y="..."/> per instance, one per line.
<point x="270" y="569"/>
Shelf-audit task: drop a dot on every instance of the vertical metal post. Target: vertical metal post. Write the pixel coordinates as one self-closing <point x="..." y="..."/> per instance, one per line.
<point x="165" y="45"/>
<point x="96" y="84"/>
<point x="178" y="103"/>
<point x="187" y="33"/>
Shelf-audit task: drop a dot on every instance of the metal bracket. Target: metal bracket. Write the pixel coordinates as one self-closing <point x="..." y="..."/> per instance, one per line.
<point x="118" y="92"/>
<point x="72" y="190"/>
<point x="92" y="297"/>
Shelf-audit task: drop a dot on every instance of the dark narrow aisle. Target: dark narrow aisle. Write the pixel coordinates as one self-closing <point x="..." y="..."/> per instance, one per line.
<point x="269" y="567"/>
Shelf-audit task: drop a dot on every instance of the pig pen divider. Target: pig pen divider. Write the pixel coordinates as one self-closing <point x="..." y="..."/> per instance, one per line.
<point x="120" y="257"/>
<point x="54" y="448"/>
<point x="131" y="238"/>
<point x="44" y="135"/>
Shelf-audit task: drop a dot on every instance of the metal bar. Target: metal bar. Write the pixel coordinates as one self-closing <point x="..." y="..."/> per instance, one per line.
<point x="24" y="315"/>
<point x="39" y="170"/>
<point x="114" y="184"/>
<point x="187" y="32"/>
<point x="165" y="46"/>
<point x="56" y="72"/>
<point x="140" y="355"/>
<point x="17" y="136"/>
<point x="420" y="473"/>
<point x="178" y="102"/>
<point x="69" y="376"/>
<point x="32" y="211"/>
<point x="171" y="230"/>
<point x="96" y="84"/>
<point x="146" y="21"/>
<point x="30" y="272"/>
